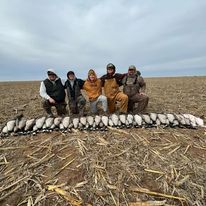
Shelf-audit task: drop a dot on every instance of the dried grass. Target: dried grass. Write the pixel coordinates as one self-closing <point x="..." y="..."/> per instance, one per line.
<point x="121" y="167"/>
<point x="108" y="168"/>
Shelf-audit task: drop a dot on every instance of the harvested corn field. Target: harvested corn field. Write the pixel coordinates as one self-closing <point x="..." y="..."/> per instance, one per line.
<point x="135" y="166"/>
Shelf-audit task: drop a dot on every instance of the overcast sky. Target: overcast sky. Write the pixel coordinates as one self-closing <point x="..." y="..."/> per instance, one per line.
<point x="160" y="37"/>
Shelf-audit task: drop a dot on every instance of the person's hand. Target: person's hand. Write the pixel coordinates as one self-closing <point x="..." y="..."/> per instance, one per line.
<point x="52" y="101"/>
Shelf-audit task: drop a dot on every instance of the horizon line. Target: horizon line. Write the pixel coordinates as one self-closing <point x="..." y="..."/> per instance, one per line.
<point x="145" y="77"/>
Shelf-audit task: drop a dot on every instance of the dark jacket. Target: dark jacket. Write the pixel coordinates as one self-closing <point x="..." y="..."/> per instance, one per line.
<point x="55" y="90"/>
<point x="75" y="91"/>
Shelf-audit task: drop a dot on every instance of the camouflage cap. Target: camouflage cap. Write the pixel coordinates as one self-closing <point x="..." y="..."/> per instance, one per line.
<point x="132" y="67"/>
<point x="110" y="65"/>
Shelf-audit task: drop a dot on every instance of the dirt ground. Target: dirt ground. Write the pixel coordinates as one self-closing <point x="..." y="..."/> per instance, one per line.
<point x="117" y="167"/>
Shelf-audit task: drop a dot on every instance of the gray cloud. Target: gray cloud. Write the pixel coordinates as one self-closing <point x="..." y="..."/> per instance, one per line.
<point x="161" y="37"/>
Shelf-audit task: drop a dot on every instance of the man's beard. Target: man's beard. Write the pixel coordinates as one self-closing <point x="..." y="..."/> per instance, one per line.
<point x="110" y="74"/>
<point x="132" y="75"/>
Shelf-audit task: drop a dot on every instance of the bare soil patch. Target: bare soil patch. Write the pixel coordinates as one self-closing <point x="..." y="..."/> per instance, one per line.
<point x="106" y="168"/>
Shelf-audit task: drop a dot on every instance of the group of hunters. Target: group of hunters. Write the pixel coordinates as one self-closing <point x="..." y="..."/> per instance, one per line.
<point x="53" y="92"/>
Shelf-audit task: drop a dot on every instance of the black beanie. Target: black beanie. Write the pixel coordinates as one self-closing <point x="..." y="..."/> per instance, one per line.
<point x="70" y="72"/>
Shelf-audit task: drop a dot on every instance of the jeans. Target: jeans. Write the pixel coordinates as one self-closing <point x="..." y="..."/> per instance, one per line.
<point x="103" y="100"/>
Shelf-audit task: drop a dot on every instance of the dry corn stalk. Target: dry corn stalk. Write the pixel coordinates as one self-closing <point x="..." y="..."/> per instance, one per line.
<point x="148" y="203"/>
<point x="146" y="191"/>
<point x="65" y="194"/>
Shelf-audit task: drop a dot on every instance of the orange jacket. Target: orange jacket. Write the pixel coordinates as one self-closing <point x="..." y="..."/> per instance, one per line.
<point x="93" y="88"/>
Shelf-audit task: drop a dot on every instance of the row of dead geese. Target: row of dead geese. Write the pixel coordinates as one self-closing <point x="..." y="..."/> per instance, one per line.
<point x="20" y="125"/>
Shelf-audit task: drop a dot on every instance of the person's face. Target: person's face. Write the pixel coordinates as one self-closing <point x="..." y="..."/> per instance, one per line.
<point x="131" y="71"/>
<point x="92" y="77"/>
<point x="71" y="77"/>
<point x="52" y="77"/>
<point x="110" y="71"/>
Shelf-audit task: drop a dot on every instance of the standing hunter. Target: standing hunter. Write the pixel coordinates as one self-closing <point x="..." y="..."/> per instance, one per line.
<point x="134" y="87"/>
<point x="76" y="100"/>
<point x="53" y="94"/>
<point x="111" y="83"/>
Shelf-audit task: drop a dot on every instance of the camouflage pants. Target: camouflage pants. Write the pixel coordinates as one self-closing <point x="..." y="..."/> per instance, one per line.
<point x="142" y="101"/>
<point x="60" y="107"/>
<point x="77" y="106"/>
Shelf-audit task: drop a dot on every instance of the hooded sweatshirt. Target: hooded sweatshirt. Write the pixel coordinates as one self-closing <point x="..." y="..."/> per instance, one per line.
<point x="52" y="89"/>
<point x="93" y="88"/>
